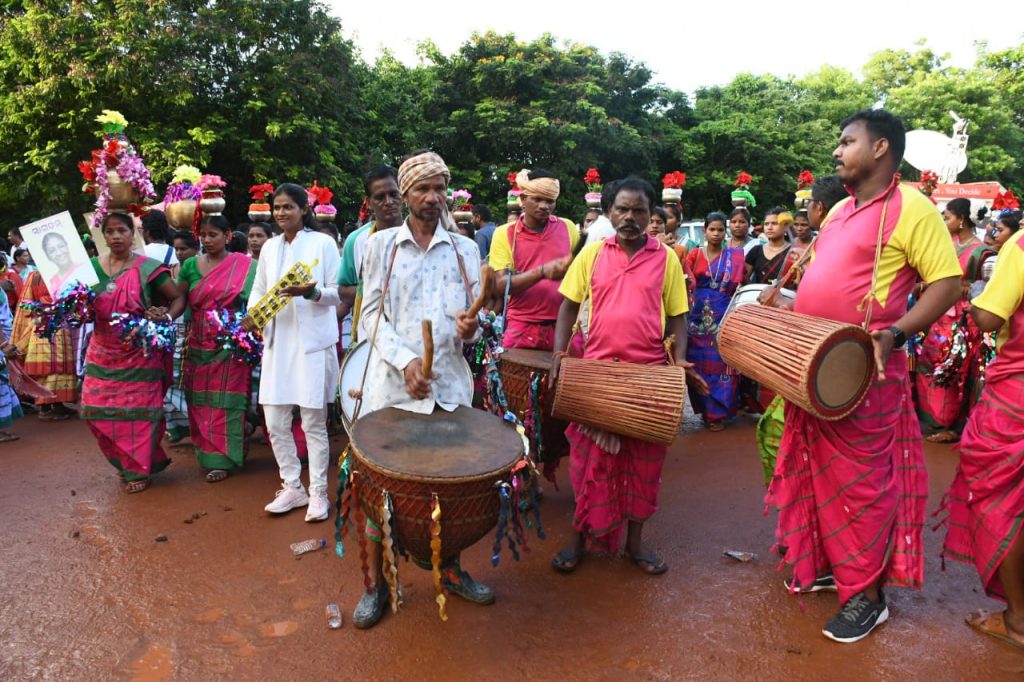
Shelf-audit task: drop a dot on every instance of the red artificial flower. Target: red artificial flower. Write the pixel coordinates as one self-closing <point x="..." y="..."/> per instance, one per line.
<point x="592" y="177"/>
<point x="1005" y="201"/>
<point x="929" y="177"/>
<point x="88" y="171"/>
<point x="512" y="179"/>
<point x="744" y="178"/>
<point x="364" y="211"/>
<point x="318" y="194"/>
<point x="805" y="179"/>
<point x="111" y="148"/>
<point x="258" y="192"/>
<point x="675" y="179"/>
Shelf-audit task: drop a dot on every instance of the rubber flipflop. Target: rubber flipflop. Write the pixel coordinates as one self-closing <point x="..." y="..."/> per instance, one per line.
<point x="655" y="564"/>
<point x="567" y="561"/>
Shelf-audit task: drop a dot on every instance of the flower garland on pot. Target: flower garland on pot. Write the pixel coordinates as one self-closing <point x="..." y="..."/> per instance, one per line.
<point x="803" y="189"/>
<point x="115" y="172"/>
<point x="181" y="201"/>
<point x="593" y="181"/>
<point x="320" y="199"/>
<point x="512" y="201"/>
<point x="462" y="210"/>
<point x="741" y="196"/>
<point x="1006" y="201"/>
<point x="212" y="201"/>
<point x="929" y="181"/>
<point x="672" y="188"/>
<point x="259" y="209"/>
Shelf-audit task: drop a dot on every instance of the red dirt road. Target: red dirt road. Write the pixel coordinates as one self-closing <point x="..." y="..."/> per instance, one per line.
<point x="88" y="594"/>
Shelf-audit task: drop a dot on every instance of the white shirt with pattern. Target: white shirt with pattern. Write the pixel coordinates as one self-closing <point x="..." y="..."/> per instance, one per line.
<point x="424" y="285"/>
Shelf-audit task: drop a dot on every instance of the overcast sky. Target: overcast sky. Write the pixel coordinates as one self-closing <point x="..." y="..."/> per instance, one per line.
<point x="690" y="44"/>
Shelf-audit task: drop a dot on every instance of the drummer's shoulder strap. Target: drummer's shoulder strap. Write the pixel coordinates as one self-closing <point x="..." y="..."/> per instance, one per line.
<point x="462" y="271"/>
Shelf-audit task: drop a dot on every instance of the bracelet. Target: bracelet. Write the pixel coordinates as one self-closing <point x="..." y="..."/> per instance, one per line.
<point x="560" y="354"/>
<point x="542" y="272"/>
<point x="169" y="318"/>
<point x="313" y="295"/>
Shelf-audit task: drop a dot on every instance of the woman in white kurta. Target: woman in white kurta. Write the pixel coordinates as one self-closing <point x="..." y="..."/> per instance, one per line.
<point x="300" y="364"/>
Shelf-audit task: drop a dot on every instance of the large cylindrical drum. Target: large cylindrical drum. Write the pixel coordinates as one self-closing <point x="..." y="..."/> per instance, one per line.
<point x="638" y="401"/>
<point x="458" y="456"/>
<point x="821" y="365"/>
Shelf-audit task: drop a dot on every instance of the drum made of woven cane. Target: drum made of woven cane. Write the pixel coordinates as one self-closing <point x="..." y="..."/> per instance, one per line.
<point x="517" y="367"/>
<point x="638" y="401"/>
<point x="459" y="456"/>
<point x="821" y="365"/>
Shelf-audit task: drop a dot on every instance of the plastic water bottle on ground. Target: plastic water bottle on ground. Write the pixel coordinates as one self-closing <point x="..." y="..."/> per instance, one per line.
<point x="333" y="616"/>
<point x="312" y="545"/>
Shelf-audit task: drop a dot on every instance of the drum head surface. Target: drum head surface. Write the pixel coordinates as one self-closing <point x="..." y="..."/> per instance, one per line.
<point x="536" y="359"/>
<point x="460" y="444"/>
<point x="351" y="376"/>
<point x="842" y="374"/>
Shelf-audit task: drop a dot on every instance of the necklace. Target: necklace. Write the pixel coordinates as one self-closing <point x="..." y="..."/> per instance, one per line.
<point x="715" y="278"/>
<point x="111" y="285"/>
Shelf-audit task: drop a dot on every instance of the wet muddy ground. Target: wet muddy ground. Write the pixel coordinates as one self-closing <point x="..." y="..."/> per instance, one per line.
<point x="89" y="594"/>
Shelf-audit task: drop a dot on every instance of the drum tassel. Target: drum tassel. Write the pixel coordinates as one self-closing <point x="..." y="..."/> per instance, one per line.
<point x="435" y="555"/>
<point x="343" y="504"/>
<point x="364" y="556"/>
<point x="388" y="552"/>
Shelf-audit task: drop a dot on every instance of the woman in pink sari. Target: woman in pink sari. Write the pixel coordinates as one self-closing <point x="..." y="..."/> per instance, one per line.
<point x="123" y="390"/>
<point x="217" y="385"/>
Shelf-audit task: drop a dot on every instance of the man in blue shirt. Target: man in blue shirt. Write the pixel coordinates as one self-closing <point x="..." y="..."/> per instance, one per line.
<point x="484" y="224"/>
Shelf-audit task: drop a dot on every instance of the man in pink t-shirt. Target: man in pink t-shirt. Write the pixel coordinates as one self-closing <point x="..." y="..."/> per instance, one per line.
<point x="637" y="297"/>
<point x="986" y="500"/>
<point x="851" y="493"/>
<point x="535" y="251"/>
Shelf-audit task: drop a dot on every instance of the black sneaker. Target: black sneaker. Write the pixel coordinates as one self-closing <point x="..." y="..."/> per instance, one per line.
<point x="825" y="583"/>
<point x="371" y="607"/>
<point x="857" y="619"/>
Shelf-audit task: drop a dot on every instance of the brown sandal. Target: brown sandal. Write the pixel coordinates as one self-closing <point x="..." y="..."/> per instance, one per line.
<point x="946" y="436"/>
<point x="216" y="475"/>
<point x="6" y="437"/>
<point x="994" y="625"/>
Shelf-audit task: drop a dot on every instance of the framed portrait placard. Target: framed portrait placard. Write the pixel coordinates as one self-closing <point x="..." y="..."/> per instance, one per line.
<point x="58" y="252"/>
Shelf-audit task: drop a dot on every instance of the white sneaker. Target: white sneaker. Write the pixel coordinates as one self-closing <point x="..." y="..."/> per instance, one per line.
<point x="286" y="499"/>
<point x="319" y="507"/>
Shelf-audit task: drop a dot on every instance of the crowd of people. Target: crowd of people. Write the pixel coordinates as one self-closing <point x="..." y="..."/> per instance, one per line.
<point x="866" y="250"/>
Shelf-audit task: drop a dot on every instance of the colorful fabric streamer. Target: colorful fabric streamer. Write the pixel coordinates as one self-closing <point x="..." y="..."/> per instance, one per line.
<point x="390" y="566"/>
<point x="435" y="556"/>
<point x="148" y="335"/>
<point x="243" y="345"/>
<point x="70" y="310"/>
<point x="343" y="505"/>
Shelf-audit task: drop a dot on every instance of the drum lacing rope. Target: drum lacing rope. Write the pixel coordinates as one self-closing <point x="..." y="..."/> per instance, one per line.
<point x="872" y="296"/>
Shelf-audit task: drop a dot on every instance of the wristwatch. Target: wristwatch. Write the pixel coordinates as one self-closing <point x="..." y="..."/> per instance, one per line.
<point x="898" y="337"/>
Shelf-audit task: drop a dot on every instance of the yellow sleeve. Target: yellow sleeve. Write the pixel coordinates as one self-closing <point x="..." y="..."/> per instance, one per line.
<point x="924" y="239"/>
<point x="500" y="255"/>
<point x="574" y="234"/>
<point x="576" y="282"/>
<point x="1004" y="293"/>
<point x="673" y="296"/>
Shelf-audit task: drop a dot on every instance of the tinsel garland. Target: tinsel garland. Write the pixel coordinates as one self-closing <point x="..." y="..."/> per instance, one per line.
<point x="954" y="353"/>
<point x="148" y="335"/>
<point x="243" y="345"/>
<point x="70" y="310"/>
